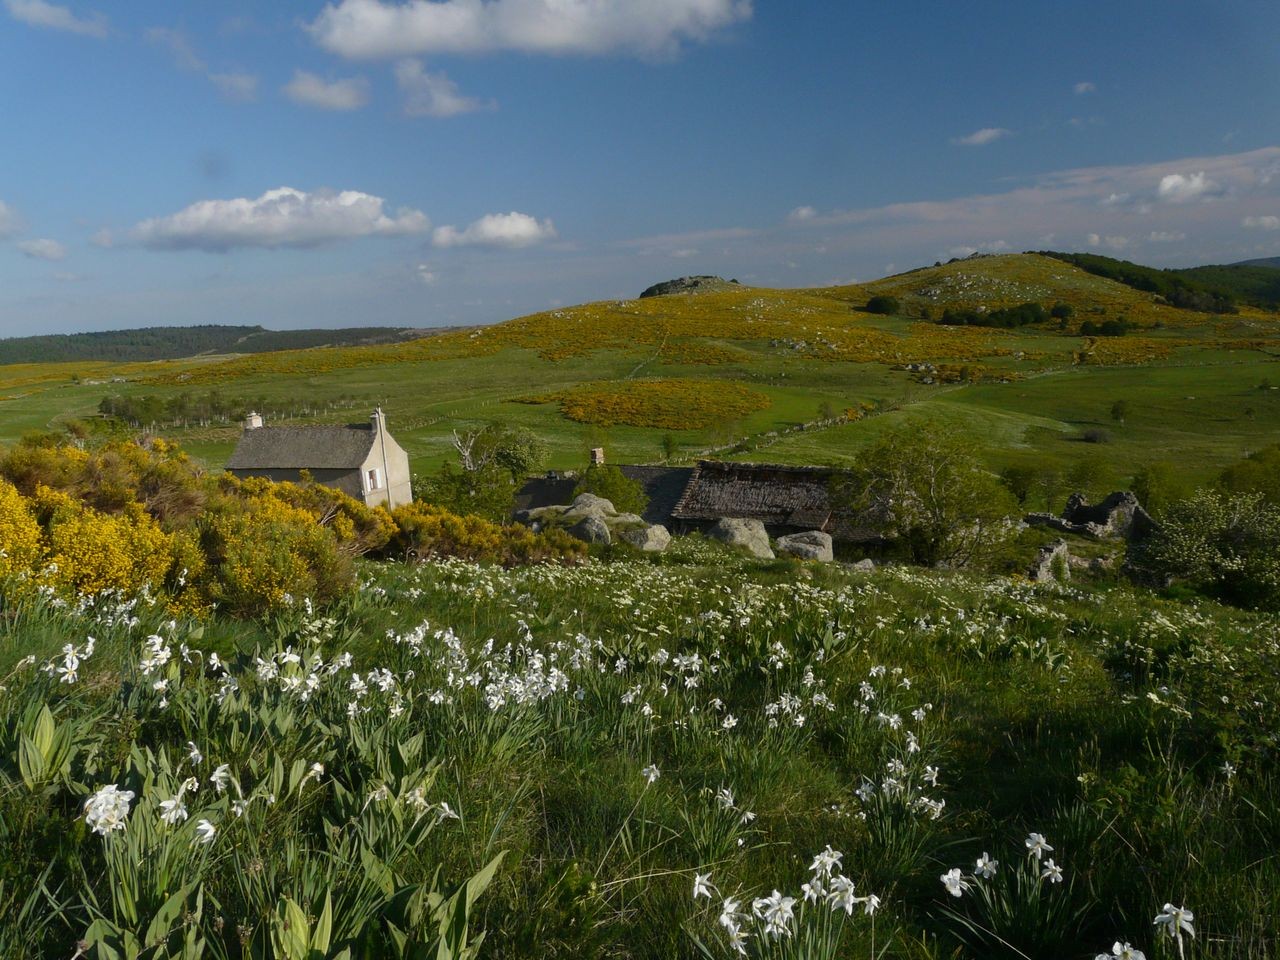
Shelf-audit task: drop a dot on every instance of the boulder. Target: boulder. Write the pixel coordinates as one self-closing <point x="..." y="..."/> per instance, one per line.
<point x="652" y="539"/>
<point x="1051" y="563"/>
<point x="748" y="534"/>
<point x="626" y="520"/>
<point x="591" y="529"/>
<point x="686" y="285"/>
<point x="865" y="566"/>
<point x="810" y="545"/>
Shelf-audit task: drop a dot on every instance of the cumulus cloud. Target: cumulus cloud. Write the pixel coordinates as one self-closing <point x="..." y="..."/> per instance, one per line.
<point x="8" y="219"/>
<point x="980" y="138"/>
<point x="1266" y="222"/>
<point x="378" y="29"/>
<point x="1180" y="188"/>
<point x="1165" y="236"/>
<point x="497" y="230"/>
<point x="432" y="94"/>
<point x="350" y="93"/>
<point x="426" y="274"/>
<point x="42" y="249"/>
<point x="1084" y="87"/>
<point x="987" y="246"/>
<point x="1110" y="242"/>
<point x="234" y="85"/>
<point x="801" y="214"/>
<point x="284" y="217"/>
<point x="38" y="13"/>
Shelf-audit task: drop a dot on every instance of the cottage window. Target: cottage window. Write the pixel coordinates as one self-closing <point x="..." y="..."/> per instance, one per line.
<point x="375" y="479"/>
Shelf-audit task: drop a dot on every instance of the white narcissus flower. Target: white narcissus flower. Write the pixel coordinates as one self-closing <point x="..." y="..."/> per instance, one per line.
<point x="220" y="777"/>
<point x="986" y="867"/>
<point x="651" y="773"/>
<point x="954" y="882"/>
<point x="1051" y="872"/>
<point x="826" y="862"/>
<point x="701" y="885"/>
<point x="205" y="831"/>
<point x="107" y="809"/>
<point x="1037" y="846"/>
<point x="173" y="810"/>
<point x="1175" y="920"/>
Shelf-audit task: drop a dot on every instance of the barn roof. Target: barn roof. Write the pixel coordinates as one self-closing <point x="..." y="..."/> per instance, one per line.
<point x="772" y="493"/>
<point x="303" y="448"/>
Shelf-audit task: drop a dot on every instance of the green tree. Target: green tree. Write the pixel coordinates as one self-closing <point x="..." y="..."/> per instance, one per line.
<point x="1259" y="473"/>
<point x="626" y="495"/>
<point x="1086" y="474"/>
<point x="1120" y="411"/>
<point x="883" y="305"/>
<point x="1156" y="486"/>
<point x="670" y="447"/>
<point x="928" y="493"/>
<point x="1020" y="480"/>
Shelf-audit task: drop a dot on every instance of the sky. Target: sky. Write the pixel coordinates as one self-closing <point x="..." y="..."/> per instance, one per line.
<point x="438" y="162"/>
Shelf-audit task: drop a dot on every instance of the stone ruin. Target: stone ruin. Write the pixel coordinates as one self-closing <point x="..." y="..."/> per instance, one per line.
<point x="1119" y="517"/>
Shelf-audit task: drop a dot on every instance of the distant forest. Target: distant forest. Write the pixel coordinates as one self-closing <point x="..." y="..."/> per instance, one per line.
<point x="171" y="343"/>
<point x="1215" y="289"/>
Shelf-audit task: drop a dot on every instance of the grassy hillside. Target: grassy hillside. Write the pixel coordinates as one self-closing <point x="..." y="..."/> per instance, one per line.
<point x="625" y="373"/>
<point x="169" y="343"/>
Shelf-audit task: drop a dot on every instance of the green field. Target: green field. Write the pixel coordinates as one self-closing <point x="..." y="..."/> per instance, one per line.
<point x="1195" y="384"/>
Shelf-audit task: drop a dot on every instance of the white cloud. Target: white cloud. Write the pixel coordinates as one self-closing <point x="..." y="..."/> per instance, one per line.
<point x="1179" y="188"/>
<point x="284" y="217"/>
<point x="801" y="214"/>
<point x="42" y="249"/>
<point x="426" y="275"/>
<point x="38" y="13"/>
<point x="234" y="85"/>
<point x="988" y="246"/>
<point x="350" y="93"/>
<point x="1267" y="222"/>
<point x="1165" y="236"/>
<point x="1084" y="87"/>
<point x="497" y="230"/>
<point x="1115" y="199"/>
<point x="980" y="138"/>
<point x="432" y="94"/>
<point x="1111" y="242"/>
<point x="377" y="29"/>
<point x="685" y="252"/>
<point x="103" y="238"/>
<point x="8" y="219"/>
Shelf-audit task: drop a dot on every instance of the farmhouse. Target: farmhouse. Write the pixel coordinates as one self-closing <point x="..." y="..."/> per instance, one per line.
<point x="361" y="459"/>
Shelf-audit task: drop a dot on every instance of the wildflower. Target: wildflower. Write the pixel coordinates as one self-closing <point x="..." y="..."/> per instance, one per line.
<point x="724" y="797"/>
<point x="729" y="722"/>
<point x="107" y="809"/>
<point x="1229" y="770"/>
<point x="651" y="773"/>
<point x="1037" y="847"/>
<point x="220" y="777"/>
<point x="841" y="894"/>
<point x="206" y="831"/>
<point x="1124" y="951"/>
<point x="986" y="867"/>
<point x="1051" y="872"/>
<point x="729" y="912"/>
<point x="701" y="885"/>
<point x="173" y="810"/>
<point x="738" y="939"/>
<point x="776" y="911"/>
<point x="871" y="903"/>
<point x="194" y="754"/>
<point x="1175" y="920"/>
<point x="445" y="812"/>
<point x="956" y="884"/>
<point x="826" y="862"/>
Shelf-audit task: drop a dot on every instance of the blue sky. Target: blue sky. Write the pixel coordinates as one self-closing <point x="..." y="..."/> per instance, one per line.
<point x="369" y="162"/>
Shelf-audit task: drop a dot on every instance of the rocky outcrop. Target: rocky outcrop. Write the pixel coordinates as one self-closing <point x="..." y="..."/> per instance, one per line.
<point x="651" y="539"/>
<point x="1052" y="563"/>
<point x="810" y="545"/>
<point x="864" y="566"/>
<point x="591" y="529"/>
<point x="1119" y="516"/>
<point x="686" y="285"/>
<point x="750" y="535"/>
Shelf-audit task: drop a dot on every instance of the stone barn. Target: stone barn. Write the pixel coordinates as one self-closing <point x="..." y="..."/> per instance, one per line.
<point x="361" y="459"/>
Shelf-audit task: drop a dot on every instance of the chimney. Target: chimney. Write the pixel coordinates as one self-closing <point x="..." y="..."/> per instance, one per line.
<point x="379" y="420"/>
<point x="597" y="456"/>
<point x="253" y="421"/>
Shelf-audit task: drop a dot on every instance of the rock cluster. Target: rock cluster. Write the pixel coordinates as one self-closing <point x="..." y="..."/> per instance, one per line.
<point x="750" y="535"/>
<point x="594" y="519"/>
<point x="685" y="285"/>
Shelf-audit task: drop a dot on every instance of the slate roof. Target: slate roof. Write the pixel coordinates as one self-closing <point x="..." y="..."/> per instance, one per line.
<point x="663" y="486"/>
<point x="303" y="448"/>
<point x="775" y="494"/>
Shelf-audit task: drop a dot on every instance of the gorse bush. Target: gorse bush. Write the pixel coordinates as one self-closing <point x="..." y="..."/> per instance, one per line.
<point x="424" y="532"/>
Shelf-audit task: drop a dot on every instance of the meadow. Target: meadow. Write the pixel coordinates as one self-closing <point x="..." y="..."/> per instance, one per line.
<point x="1198" y="387"/>
<point x="701" y="755"/>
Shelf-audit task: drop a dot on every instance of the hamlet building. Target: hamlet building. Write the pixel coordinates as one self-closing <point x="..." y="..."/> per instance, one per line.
<point x="360" y="459"/>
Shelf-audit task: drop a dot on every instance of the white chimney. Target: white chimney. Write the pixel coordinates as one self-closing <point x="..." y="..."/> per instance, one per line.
<point x="379" y="420"/>
<point x="253" y="421"/>
<point x="597" y="456"/>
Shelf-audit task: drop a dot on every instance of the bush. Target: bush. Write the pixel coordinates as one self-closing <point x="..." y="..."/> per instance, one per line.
<point x="488" y="491"/>
<point x="1223" y="545"/>
<point x="1096" y="435"/>
<point x="20" y="547"/>
<point x="1007" y="318"/>
<point x="424" y="531"/>
<point x="930" y="496"/>
<point x="1259" y="473"/>
<point x="1062" y="311"/>
<point x="625" y="494"/>
<point x="888" y="306"/>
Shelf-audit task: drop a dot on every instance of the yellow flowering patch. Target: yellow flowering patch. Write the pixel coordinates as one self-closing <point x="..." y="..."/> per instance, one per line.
<point x="666" y="404"/>
<point x="20" y="546"/>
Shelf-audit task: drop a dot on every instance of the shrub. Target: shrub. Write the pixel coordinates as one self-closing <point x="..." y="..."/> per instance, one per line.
<point x="626" y="495"/>
<point x="1259" y="473"/>
<point x="424" y="531"/>
<point x="1096" y="435"/>
<point x="1062" y="311"/>
<point x="20" y="547"/>
<point x="888" y="306"/>
<point x="1224" y="545"/>
<point x="358" y="529"/>
<point x="488" y="491"/>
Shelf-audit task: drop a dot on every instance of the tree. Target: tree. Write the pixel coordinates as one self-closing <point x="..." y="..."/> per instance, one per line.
<point x="1258" y="473"/>
<point x="670" y="447"/>
<point x="1119" y="411"/>
<point x="626" y="495"/>
<point x="1085" y="474"/>
<point x="888" y="306"/>
<point x="1062" y="311"/>
<point x="518" y="450"/>
<point x="1156" y="486"/>
<point x="1020" y="480"/>
<point x="492" y="462"/>
<point x="926" y="490"/>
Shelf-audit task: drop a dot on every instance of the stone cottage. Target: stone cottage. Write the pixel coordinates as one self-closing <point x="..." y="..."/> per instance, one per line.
<point x="361" y="459"/>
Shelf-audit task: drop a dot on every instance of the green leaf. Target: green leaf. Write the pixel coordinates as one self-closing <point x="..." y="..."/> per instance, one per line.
<point x="289" y="931"/>
<point x="324" y="926"/>
<point x="161" y="926"/>
<point x="42" y="735"/>
<point x="30" y="762"/>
